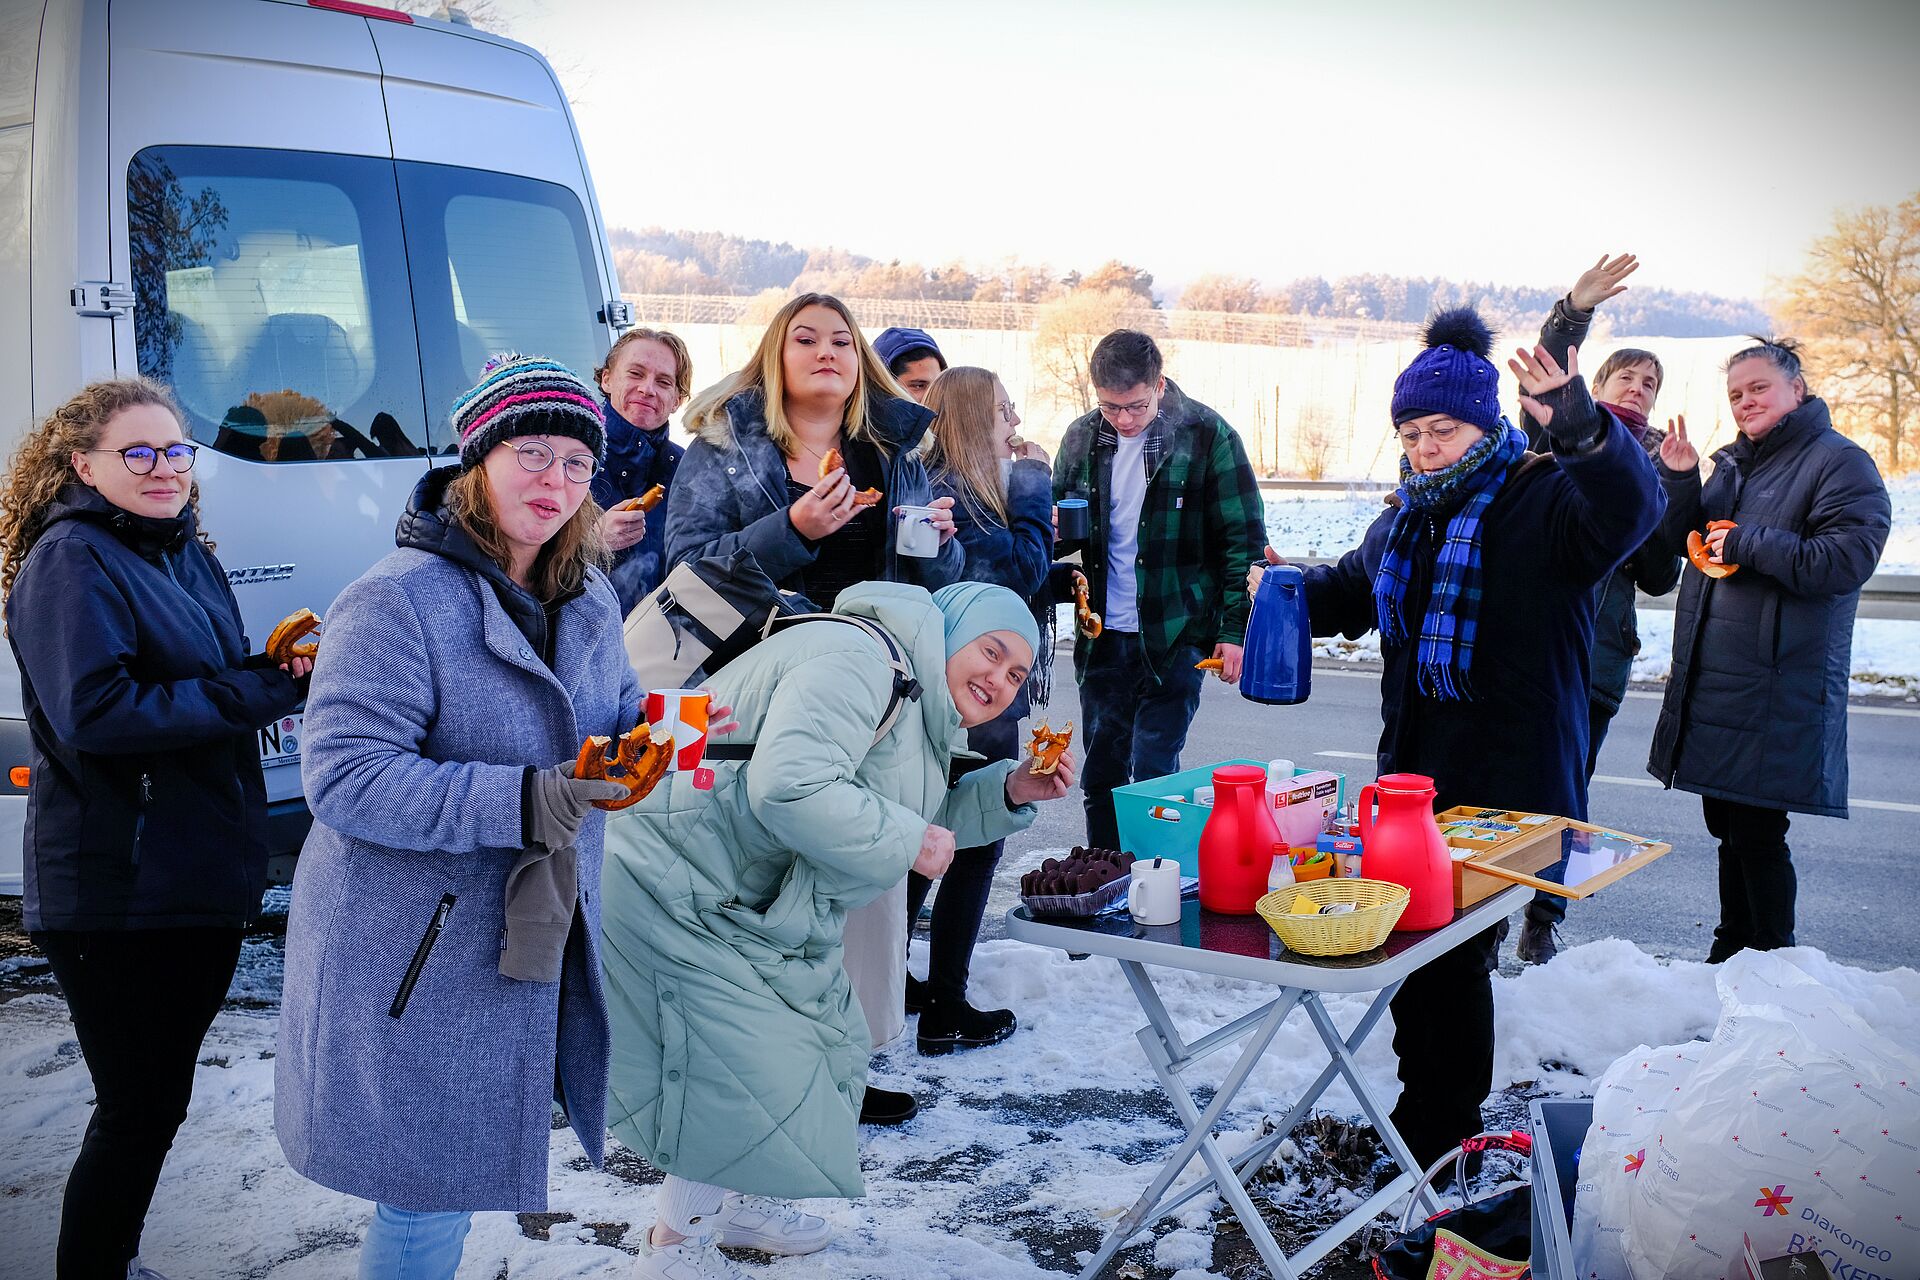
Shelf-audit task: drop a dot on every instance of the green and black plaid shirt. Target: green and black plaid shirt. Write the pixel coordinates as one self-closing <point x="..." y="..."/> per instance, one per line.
<point x="1202" y="524"/>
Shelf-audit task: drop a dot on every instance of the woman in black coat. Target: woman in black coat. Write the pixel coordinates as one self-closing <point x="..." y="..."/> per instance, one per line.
<point x="1480" y="578"/>
<point x="1755" y="716"/>
<point x="146" y="810"/>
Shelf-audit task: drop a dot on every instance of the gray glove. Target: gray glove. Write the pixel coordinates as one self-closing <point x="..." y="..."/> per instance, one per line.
<point x="558" y="802"/>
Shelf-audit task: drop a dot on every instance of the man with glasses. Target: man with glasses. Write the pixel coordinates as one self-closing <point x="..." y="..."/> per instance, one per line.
<point x="1175" y="518"/>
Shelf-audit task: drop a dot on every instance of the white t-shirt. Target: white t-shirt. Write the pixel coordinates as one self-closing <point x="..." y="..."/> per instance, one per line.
<point x="1123" y="533"/>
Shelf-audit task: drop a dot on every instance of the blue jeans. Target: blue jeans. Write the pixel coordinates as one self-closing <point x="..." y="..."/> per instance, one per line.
<point x="404" y="1245"/>
<point x="1136" y="724"/>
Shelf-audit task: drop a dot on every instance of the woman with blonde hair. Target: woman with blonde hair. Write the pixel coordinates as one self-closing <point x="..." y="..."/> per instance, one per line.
<point x="146" y="849"/>
<point x="442" y="973"/>
<point x="1002" y="489"/>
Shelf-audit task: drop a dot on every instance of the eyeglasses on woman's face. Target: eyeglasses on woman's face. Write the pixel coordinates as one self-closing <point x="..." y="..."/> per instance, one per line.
<point x="536" y="457"/>
<point x="1440" y="431"/>
<point x="142" y="458"/>
<point x="1007" y="412"/>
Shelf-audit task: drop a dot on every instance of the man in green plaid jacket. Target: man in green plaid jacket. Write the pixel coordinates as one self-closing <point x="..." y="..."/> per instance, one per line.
<point x="1175" y="519"/>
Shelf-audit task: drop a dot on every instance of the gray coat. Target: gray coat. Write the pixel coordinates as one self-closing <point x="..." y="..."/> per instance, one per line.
<point x="1756" y="704"/>
<point x="428" y="705"/>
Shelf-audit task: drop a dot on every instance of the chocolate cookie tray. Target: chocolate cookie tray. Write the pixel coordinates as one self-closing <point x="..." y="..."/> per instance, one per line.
<point x="1091" y="903"/>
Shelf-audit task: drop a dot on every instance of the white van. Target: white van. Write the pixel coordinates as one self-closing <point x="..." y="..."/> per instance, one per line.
<point x="314" y="219"/>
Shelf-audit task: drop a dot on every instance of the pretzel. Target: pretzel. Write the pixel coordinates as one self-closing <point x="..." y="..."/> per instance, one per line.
<point x="1210" y="664"/>
<point x="863" y="497"/>
<point x="1047" y="747"/>
<point x="283" y="643"/>
<point x="1090" y="625"/>
<point x="634" y="760"/>
<point x="1698" y="552"/>
<point x="646" y="501"/>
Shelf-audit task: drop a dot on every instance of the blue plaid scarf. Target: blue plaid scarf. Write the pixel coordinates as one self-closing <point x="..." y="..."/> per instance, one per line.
<point x="1445" y="655"/>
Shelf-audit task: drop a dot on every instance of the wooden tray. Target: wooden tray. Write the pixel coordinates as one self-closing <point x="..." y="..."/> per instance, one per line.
<point x="1522" y="842"/>
<point x="1611" y="855"/>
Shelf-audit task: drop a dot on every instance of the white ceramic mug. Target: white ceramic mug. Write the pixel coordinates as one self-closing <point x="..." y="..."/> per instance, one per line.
<point x="1153" y="895"/>
<point x="917" y="536"/>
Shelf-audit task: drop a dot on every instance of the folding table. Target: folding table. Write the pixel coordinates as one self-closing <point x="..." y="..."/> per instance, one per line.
<point x="1245" y="947"/>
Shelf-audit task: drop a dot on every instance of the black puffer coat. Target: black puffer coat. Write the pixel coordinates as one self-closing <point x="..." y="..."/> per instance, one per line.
<point x="1756" y="705"/>
<point x="147" y="808"/>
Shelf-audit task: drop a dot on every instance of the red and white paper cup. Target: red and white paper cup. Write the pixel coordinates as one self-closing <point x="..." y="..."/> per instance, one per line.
<point x="683" y="713"/>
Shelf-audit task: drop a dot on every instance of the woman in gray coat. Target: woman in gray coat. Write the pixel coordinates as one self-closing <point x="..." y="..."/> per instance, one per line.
<point x="1755" y="716"/>
<point x="443" y="977"/>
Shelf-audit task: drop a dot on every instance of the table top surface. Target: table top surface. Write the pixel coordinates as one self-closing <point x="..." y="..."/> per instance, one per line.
<point x="1247" y="947"/>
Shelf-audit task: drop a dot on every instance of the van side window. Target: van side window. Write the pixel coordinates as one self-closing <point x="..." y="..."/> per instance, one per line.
<point x="500" y="263"/>
<point x="271" y="295"/>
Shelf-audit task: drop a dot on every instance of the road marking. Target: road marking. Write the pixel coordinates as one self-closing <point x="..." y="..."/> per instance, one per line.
<point x="1626" y="782"/>
<point x="1348" y="755"/>
<point x="1851" y="710"/>
<point x="1892" y="806"/>
<point x="1346" y="674"/>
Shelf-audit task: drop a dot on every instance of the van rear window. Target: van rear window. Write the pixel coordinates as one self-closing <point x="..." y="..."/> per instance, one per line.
<point x="313" y="307"/>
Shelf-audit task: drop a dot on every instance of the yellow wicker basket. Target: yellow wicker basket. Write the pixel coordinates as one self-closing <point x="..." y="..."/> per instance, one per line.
<point x="1377" y="907"/>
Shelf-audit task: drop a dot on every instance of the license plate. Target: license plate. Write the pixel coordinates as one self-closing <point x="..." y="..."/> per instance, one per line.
<point x="280" y="741"/>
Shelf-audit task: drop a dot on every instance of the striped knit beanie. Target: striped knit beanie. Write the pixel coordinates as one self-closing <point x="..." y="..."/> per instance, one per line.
<point x="526" y="396"/>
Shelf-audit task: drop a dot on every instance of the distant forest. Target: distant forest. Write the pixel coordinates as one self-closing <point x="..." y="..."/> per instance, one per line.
<point x="655" y="260"/>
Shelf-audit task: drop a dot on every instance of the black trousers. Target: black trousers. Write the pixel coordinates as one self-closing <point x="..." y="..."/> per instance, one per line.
<point x="1136" y="724"/>
<point x="961" y="904"/>
<point x="1548" y="908"/>
<point x="1757" y="884"/>
<point x="141" y="1000"/>
<point x="1443" y="1032"/>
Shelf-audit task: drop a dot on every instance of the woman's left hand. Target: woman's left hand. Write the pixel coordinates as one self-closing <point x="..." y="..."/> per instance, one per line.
<point x="1024" y="786"/>
<point x="1717" y="544"/>
<point x="942" y="518"/>
<point x="1538" y="373"/>
<point x="719" y="719"/>
<point x="299" y="668"/>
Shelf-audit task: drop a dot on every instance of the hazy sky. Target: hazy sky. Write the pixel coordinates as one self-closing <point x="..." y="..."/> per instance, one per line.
<point x="1504" y="142"/>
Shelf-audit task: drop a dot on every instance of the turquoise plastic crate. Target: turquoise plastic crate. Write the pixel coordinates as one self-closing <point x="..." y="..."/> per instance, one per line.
<point x="1145" y="836"/>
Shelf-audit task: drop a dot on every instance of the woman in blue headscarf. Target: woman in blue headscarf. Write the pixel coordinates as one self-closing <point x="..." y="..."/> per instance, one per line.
<point x="739" y="1050"/>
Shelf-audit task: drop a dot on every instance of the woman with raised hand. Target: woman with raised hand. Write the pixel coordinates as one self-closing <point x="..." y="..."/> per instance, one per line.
<point x="146" y="849"/>
<point x="1002" y="491"/>
<point x="442" y="974"/>
<point x="1755" y="714"/>
<point x="1480" y="579"/>
<point x="757" y="479"/>
<point x="739" y="1049"/>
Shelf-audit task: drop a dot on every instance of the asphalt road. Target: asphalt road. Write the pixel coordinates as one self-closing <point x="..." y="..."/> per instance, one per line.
<point x="1859" y="879"/>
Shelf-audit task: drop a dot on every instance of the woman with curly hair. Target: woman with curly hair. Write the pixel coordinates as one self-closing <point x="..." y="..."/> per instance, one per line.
<point x="146" y="844"/>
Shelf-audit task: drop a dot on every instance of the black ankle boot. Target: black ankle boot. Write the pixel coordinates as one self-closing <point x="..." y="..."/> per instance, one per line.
<point x="887" y="1106"/>
<point x="947" y="1025"/>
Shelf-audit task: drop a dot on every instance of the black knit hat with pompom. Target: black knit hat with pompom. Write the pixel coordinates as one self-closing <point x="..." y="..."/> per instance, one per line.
<point x="1453" y="375"/>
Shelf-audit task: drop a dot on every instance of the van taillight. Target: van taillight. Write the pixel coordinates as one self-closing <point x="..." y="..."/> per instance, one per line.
<point x="363" y="10"/>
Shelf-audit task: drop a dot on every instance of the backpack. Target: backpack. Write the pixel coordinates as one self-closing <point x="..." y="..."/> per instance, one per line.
<point x="711" y="610"/>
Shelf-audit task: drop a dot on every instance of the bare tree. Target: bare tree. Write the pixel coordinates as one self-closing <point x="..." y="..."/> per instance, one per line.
<point x="1068" y="330"/>
<point x="1314" y="442"/>
<point x="1857" y="303"/>
<point x="1222" y="293"/>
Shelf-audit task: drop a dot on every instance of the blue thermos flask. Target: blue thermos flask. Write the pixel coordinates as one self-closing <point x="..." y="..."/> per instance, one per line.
<point x="1277" y="664"/>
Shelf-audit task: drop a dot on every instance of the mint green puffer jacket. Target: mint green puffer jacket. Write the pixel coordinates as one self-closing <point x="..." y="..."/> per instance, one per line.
<point x="739" y="1050"/>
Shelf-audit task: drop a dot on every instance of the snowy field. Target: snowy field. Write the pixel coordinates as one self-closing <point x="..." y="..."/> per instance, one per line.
<point x="1886" y="652"/>
<point x="1021" y="1155"/>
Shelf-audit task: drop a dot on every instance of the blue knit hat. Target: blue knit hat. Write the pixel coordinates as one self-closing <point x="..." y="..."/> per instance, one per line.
<point x="1453" y="375"/>
<point x="526" y="396"/>
<point x="894" y="343"/>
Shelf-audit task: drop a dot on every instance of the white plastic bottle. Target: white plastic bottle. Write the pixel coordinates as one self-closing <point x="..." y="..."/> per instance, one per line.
<point x="1281" y="876"/>
<point x="1279" y="772"/>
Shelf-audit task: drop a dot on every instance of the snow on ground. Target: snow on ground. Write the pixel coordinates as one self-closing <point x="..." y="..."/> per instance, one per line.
<point x="1020" y="1157"/>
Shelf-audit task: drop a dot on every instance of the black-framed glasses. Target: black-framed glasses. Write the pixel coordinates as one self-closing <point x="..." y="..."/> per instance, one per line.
<point x="1133" y="410"/>
<point x="1410" y="435"/>
<point x="537" y="457"/>
<point x="142" y="458"/>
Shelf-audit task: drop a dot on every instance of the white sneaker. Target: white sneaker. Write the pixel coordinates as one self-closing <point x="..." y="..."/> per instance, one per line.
<point x="769" y="1225"/>
<point x="695" y="1258"/>
<point x="136" y="1270"/>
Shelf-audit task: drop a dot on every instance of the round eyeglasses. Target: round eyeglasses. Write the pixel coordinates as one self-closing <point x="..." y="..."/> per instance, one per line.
<point x="142" y="458"/>
<point x="1445" y="431"/>
<point x="537" y="457"/>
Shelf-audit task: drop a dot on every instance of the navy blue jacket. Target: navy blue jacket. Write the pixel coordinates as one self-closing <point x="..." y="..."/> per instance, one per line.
<point x="636" y="461"/>
<point x="1558" y="526"/>
<point x="147" y="808"/>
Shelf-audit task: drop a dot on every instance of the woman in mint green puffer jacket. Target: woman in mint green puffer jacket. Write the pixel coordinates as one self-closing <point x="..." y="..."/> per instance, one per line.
<point x="739" y="1050"/>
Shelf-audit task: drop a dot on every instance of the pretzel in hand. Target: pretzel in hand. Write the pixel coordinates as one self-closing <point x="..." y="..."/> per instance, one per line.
<point x="1210" y="664"/>
<point x="646" y="501"/>
<point x="1047" y="747"/>
<point x="864" y="497"/>
<point x="1089" y="621"/>
<point x="283" y="644"/>
<point x="1698" y="552"/>
<point x="635" y="760"/>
